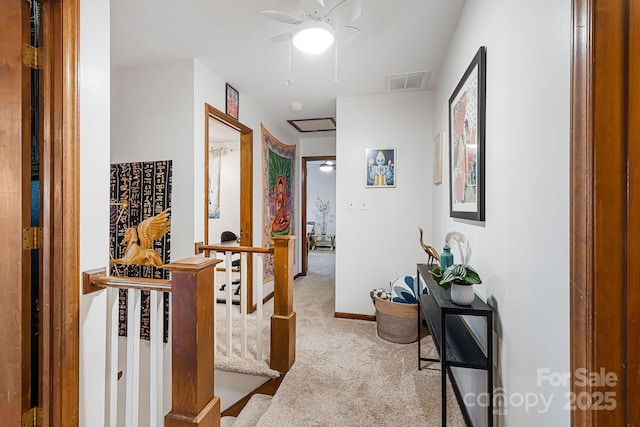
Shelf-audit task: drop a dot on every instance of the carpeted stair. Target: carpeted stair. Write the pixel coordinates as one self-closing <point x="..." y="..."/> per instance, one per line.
<point x="251" y="413"/>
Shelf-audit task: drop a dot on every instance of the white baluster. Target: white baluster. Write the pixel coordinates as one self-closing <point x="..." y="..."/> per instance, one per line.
<point x="156" y="391"/>
<point x="215" y="301"/>
<point x="113" y="309"/>
<point x="133" y="358"/>
<point x="229" y="302"/>
<point x="243" y="304"/>
<point x="259" y="289"/>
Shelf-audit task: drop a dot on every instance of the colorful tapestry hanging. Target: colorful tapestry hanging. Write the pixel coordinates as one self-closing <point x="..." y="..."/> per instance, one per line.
<point x="140" y="231"/>
<point x="278" y="165"/>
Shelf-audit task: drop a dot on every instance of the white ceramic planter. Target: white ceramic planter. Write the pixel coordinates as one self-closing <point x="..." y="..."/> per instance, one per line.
<point x="462" y="294"/>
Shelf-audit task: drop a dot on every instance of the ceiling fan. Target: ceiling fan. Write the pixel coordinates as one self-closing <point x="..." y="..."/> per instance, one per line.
<point x="319" y="23"/>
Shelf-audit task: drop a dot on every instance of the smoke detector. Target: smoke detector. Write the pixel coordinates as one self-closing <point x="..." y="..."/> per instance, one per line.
<point x="296" y="106"/>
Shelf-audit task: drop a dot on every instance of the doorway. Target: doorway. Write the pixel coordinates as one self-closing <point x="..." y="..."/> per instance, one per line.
<point x="50" y="357"/>
<point x="224" y="132"/>
<point x="318" y="206"/>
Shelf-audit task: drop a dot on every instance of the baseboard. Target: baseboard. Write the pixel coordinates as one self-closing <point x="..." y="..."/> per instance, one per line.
<point x="269" y="388"/>
<point x="355" y="316"/>
<point x="298" y="275"/>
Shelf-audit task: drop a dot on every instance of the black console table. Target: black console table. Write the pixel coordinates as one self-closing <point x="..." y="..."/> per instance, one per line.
<point x="449" y="331"/>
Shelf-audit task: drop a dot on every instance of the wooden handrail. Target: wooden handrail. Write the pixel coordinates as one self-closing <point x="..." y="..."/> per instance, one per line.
<point x="201" y="247"/>
<point x="96" y="280"/>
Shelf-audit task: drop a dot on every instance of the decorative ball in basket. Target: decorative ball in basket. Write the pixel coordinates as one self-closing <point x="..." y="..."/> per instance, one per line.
<point x="397" y="310"/>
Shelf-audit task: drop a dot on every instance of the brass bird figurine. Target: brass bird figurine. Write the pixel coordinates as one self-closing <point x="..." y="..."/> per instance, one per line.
<point x="430" y="250"/>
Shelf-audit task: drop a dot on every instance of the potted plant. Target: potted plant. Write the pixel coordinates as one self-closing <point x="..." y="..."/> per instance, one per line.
<point x="460" y="278"/>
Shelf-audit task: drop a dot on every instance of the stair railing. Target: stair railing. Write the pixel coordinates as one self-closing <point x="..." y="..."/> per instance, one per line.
<point x="282" y="353"/>
<point x="192" y="288"/>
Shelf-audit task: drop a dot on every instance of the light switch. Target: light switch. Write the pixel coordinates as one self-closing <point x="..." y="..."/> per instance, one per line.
<point x="364" y="206"/>
<point x="351" y="206"/>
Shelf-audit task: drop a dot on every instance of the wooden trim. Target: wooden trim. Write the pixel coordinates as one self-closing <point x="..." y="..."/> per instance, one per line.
<point x="599" y="207"/>
<point x="297" y="275"/>
<point x="353" y="316"/>
<point x="303" y="209"/>
<point x="222" y="248"/>
<point x="581" y="205"/>
<point x="61" y="189"/>
<point x="246" y="186"/>
<point x="633" y="225"/>
<point x="97" y="280"/>
<point x="269" y="388"/>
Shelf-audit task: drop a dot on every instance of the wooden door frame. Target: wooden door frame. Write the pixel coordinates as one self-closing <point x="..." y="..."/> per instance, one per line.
<point x="61" y="239"/>
<point x="59" y="162"/>
<point x="303" y="208"/>
<point x="246" y="186"/>
<point x="601" y="267"/>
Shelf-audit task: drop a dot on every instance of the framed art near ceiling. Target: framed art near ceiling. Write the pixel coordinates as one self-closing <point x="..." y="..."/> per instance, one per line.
<point x="437" y="159"/>
<point x="233" y="102"/>
<point x="467" y="108"/>
<point x="380" y="166"/>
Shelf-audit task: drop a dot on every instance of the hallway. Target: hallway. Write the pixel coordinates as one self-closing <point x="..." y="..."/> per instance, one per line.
<point x="345" y="375"/>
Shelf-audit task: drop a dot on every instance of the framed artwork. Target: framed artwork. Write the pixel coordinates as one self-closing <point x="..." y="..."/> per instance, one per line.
<point x="467" y="108"/>
<point x="380" y="166"/>
<point x="437" y="159"/>
<point x="233" y="102"/>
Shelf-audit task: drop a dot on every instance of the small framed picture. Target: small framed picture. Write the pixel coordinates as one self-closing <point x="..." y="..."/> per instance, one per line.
<point x="233" y="102"/>
<point x="380" y="166"/>
<point x="437" y="159"/>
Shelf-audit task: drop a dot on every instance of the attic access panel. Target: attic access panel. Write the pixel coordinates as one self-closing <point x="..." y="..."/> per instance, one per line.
<point x="314" y="125"/>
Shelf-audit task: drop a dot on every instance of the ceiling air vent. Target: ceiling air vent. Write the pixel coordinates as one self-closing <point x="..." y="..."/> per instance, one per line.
<point x="407" y="81"/>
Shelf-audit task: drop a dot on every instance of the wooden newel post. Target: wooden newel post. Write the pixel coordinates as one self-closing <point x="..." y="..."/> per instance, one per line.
<point x="283" y="321"/>
<point x="192" y="311"/>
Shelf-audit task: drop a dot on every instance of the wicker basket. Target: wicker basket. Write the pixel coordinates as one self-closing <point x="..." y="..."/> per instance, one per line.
<point x="396" y="322"/>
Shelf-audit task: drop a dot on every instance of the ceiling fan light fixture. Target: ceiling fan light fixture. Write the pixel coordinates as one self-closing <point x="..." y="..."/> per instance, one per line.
<point x="327" y="166"/>
<point x="314" y="37"/>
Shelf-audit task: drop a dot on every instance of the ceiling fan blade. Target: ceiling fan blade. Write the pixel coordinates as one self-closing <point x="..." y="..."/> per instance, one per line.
<point x="346" y="34"/>
<point x="281" y="38"/>
<point x="313" y="8"/>
<point x="345" y="12"/>
<point x="280" y="16"/>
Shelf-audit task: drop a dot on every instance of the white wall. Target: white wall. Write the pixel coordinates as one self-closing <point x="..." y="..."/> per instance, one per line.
<point x="321" y="146"/>
<point x="210" y="88"/>
<point x="380" y="242"/>
<point x="521" y="251"/>
<point x="94" y="86"/>
<point x="323" y="185"/>
<point x="152" y="119"/>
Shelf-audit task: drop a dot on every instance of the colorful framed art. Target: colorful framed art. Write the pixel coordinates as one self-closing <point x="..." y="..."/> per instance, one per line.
<point x="233" y="102"/>
<point x="467" y="107"/>
<point x="380" y="166"/>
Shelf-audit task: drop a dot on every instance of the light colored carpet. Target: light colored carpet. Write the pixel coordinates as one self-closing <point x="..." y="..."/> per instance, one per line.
<point x="345" y="375"/>
<point x="232" y="362"/>
<point x="252" y="412"/>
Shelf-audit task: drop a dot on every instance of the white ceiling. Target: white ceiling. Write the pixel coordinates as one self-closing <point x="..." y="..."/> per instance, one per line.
<point x="231" y="39"/>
